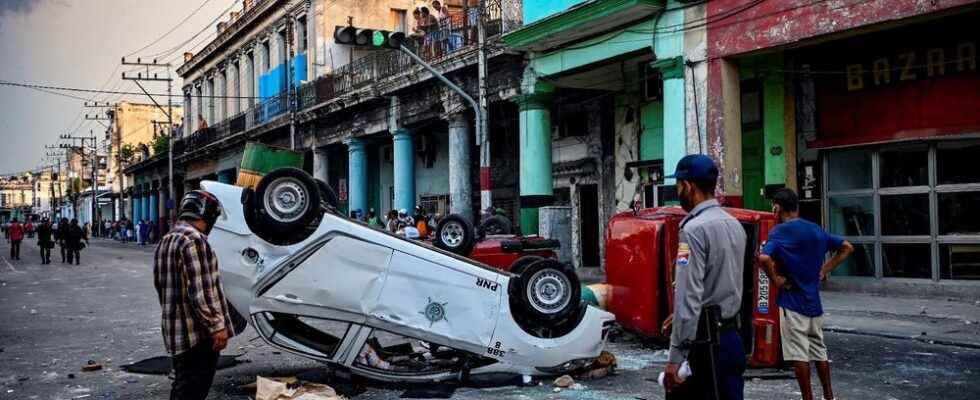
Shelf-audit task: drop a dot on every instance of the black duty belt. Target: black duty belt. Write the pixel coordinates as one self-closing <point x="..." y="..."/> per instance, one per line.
<point x="728" y="324"/>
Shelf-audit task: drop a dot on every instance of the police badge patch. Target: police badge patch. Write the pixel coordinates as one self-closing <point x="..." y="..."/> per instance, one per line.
<point x="683" y="254"/>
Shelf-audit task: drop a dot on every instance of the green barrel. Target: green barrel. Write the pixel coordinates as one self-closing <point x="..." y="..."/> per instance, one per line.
<point x="260" y="159"/>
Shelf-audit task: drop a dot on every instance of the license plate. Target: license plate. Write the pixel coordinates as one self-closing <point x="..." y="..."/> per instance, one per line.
<point x="762" y="305"/>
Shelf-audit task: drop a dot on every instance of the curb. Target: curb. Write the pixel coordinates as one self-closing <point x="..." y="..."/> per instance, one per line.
<point x="921" y="339"/>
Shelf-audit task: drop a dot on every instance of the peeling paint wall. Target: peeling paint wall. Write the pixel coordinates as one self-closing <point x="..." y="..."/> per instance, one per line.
<point x="627" y="150"/>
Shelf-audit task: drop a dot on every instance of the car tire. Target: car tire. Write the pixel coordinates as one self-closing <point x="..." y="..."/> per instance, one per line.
<point x="456" y="235"/>
<point x="287" y="201"/>
<point x="327" y="195"/>
<point x="521" y="263"/>
<point x="547" y="291"/>
<point x="496" y="225"/>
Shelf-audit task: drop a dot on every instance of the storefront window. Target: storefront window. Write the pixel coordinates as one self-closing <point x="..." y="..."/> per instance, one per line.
<point x="904" y="166"/>
<point x="959" y="261"/>
<point x="905" y="214"/>
<point x="959" y="213"/>
<point x="850" y="169"/>
<point x="956" y="163"/>
<point x="852" y="215"/>
<point x="860" y="263"/>
<point x="882" y="198"/>
<point x="906" y="260"/>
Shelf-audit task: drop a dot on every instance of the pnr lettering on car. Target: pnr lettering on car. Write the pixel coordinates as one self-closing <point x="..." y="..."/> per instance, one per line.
<point x="492" y="286"/>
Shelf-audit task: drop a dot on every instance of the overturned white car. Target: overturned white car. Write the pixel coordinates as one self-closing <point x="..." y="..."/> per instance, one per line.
<point x="319" y="285"/>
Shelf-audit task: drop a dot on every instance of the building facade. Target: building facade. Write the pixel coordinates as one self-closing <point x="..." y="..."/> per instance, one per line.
<point x="869" y="110"/>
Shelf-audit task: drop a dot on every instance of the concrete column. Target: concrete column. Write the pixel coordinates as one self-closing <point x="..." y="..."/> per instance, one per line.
<point x="675" y="126"/>
<point x="145" y="207"/>
<point x="138" y="207"/>
<point x="154" y="206"/>
<point x="357" y="164"/>
<point x="460" y="186"/>
<point x="321" y="164"/>
<point x="404" y="170"/>
<point x="535" y="157"/>
<point x="135" y="203"/>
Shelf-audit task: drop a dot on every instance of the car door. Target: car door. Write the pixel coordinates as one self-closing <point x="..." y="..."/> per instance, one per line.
<point x="441" y="297"/>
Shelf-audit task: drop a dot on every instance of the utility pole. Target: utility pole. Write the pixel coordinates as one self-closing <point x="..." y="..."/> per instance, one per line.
<point x="93" y="143"/>
<point x="170" y="118"/>
<point x="483" y="139"/>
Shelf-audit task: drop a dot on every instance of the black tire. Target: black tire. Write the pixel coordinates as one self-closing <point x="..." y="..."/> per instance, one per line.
<point x="287" y="201"/>
<point x="327" y="195"/>
<point x="546" y="292"/>
<point x="521" y="263"/>
<point x="496" y="225"/>
<point x="455" y="234"/>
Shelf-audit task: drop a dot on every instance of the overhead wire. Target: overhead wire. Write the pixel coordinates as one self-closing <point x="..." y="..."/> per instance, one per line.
<point x="170" y="51"/>
<point x="179" y="24"/>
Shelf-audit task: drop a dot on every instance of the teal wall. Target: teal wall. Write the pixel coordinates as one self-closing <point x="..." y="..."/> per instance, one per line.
<point x="535" y="10"/>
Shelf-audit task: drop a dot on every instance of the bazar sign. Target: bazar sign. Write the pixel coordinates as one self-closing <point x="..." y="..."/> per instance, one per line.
<point x="912" y="65"/>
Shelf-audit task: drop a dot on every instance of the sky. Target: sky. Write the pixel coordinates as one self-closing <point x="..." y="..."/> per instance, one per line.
<point x="79" y="44"/>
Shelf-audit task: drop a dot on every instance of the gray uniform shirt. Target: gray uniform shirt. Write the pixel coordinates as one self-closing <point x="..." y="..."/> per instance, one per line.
<point x="708" y="271"/>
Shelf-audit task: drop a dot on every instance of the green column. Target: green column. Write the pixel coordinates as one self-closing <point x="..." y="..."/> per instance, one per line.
<point x="674" y="123"/>
<point x="535" y="156"/>
<point x="773" y="125"/>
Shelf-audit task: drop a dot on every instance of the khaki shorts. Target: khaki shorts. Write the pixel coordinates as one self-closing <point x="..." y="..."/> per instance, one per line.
<point x="802" y="336"/>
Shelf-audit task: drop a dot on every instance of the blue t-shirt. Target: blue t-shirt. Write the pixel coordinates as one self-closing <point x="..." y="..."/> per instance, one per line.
<point x="800" y="247"/>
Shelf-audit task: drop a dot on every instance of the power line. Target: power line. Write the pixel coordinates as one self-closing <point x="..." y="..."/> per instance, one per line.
<point x="179" y="24"/>
<point x="170" y="51"/>
<point x="70" y="89"/>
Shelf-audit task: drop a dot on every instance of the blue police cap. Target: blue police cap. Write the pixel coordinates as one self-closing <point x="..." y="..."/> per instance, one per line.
<point x="695" y="167"/>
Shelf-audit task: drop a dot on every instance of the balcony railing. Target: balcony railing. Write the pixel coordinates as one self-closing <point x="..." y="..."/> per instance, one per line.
<point x="438" y="41"/>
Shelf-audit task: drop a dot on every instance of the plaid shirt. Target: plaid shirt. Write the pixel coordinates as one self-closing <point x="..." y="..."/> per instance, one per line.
<point x="185" y="274"/>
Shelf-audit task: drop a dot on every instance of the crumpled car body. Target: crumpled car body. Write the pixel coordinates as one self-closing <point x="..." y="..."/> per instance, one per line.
<point x="344" y="291"/>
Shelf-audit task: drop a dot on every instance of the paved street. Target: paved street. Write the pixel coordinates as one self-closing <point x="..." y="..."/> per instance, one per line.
<point x="58" y="317"/>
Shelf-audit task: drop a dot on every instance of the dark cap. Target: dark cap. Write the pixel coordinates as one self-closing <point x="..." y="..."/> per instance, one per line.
<point x="695" y="167"/>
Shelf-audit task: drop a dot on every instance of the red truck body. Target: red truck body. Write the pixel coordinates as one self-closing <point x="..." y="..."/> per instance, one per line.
<point x="640" y="252"/>
<point x="500" y="251"/>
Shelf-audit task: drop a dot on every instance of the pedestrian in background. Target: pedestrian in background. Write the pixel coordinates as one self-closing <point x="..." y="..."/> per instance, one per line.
<point x="16" y="236"/>
<point x="130" y="231"/>
<point x="391" y="221"/>
<point x="196" y="321"/>
<point x="707" y="292"/>
<point x="45" y="240"/>
<point x="29" y="228"/>
<point x="75" y="242"/>
<point x="794" y="258"/>
<point x="61" y="235"/>
<point x="87" y="231"/>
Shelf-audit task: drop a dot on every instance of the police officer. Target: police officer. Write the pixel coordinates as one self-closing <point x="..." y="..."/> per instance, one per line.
<point x="708" y="291"/>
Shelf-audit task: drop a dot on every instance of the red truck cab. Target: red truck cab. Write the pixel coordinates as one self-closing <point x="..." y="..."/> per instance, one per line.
<point x="641" y="248"/>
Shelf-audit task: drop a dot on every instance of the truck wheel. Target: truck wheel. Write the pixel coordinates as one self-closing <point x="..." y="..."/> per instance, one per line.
<point x="521" y="263"/>
<point x="549" y="291"/>
<point x="288" y="201"/>
<point x="496" y="225"/>
<point x="327" y="195"/>
<point x="455" y="234"/>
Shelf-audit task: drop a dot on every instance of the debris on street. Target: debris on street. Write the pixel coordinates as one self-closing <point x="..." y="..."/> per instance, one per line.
<point x="290" y="388"/>
<point x="91" y="366"/>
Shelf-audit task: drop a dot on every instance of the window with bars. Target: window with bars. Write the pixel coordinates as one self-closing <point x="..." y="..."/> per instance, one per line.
<point x="911" y="209"/>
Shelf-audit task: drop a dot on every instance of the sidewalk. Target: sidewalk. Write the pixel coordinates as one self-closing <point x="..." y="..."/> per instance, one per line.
<point x="926" y="320"/>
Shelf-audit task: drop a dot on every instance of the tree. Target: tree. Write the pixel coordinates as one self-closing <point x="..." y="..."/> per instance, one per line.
<point x="126" y="153"/>
<point x="161" y="144"/>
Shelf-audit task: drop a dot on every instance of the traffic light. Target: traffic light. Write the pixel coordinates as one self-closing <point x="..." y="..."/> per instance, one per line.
<point x="363" y="37"/>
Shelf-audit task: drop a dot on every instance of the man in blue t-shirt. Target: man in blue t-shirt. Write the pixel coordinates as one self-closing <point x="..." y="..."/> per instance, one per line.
<point x="794" y="257"/>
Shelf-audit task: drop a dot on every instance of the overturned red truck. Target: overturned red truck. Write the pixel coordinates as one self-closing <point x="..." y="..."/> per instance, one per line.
<point x="641" y="247"/>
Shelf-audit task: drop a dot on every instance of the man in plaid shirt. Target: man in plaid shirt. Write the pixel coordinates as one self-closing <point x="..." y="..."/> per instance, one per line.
<point x="196" y="320"/>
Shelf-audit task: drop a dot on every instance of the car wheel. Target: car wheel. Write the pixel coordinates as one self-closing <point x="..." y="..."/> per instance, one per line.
<point x="521" y="263"/>
<point x="288" y="202"/>
<point x="455" y="234"/>
<point x="549" y="291"/>
<point x="496" y="225"/>
<point x="327" y="195"/>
